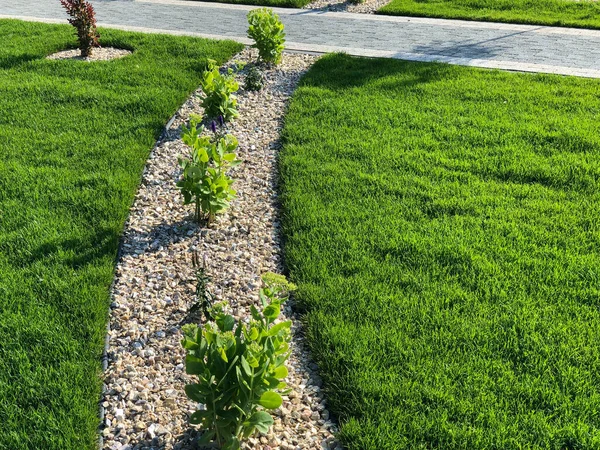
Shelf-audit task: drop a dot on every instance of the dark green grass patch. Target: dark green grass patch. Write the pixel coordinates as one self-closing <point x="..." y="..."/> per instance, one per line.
<point x="566" y="13"/>
<point x="73" y="140"/>
<point x="442" y="224"/>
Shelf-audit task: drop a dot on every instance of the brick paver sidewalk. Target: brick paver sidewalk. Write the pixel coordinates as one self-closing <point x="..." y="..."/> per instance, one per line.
<point x="515" y="47"/>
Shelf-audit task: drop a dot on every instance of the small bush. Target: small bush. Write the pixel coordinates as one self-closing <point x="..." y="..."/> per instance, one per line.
<point x="267" y="32"/>
<point x="83" y="18"/>
<point x="240" y="368"/>
<point x="254" y="79"/>
<point x="218" y="99"/>
<point x="204" y="181"/>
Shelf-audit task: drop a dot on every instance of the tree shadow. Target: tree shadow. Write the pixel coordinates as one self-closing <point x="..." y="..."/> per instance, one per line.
<point x="188" y="440"/>
<point x="11" y="61"/>
<point x="339" y="71"/>
<point x="482" y="49"/>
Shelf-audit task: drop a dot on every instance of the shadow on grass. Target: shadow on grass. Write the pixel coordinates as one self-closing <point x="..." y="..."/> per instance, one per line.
<point x="346" y="73"/>
<point x="11" y="61"/>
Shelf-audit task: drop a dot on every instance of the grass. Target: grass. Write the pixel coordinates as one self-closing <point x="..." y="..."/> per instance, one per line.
<point x="74" y="137"/>
<point x="566" y="13"/>
<point x="442" y="225"/>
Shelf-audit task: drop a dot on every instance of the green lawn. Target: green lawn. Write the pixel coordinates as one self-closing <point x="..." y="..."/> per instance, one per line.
<point x="567" y="13"/>
<point x="73" y="140"/>
<point x="442" y="224"/>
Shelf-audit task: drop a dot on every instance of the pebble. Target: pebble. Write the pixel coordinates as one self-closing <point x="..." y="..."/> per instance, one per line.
<point x="98" y="54"/>
<point x="366" y="7"/>
<point x="145" y="402"/>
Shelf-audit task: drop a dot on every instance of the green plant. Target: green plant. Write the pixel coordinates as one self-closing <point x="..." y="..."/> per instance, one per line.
<point x="204" y="181"/>
<point x="240" y="367"/>
<point x="83" y="18"/>
<point x="239" y="65"/>
<point x="219" y="89"/>
<point x="266" y="30"/>
<point x="254" y="79"/>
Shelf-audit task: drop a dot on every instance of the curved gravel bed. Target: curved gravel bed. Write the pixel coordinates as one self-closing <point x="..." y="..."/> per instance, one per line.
<point x="145" y="405"/>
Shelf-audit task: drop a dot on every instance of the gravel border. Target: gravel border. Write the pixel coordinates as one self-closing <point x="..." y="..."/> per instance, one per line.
<point x="98" y="54"/>
<point x="144" y="402"/>
<point x="367" y="7"/>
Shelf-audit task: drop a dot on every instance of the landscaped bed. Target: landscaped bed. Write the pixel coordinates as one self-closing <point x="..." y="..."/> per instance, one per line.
<point x="270" y="3"/>
<point x="441" y="223"/>
<point x="568" y="13"/>
<point x="155" y="287"/>
<point x="74" y="137"/>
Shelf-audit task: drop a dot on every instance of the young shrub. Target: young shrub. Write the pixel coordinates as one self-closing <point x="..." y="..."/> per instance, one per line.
<point x="240" y="368"/>
<point x="254" y="79"/>
<point x="267" y="32"/>
<point x="219" y="98"/>
<point x="204" y="181"/>
<point x="83" y="18"/>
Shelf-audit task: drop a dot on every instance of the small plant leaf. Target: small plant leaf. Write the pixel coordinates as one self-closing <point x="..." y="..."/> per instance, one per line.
<point x="193" y="392"/>
<point x="261" y="420"/>
<point x="270" y="400"/>
<point x="281" y="372"/>
<point x="272" y="311"/>
<point x="232" y="444"/>
<point x="246" y="367"/>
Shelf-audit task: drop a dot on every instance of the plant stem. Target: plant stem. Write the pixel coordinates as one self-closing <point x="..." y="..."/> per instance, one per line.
<point x="214" y="408"/>
<point x="197" y="210"/>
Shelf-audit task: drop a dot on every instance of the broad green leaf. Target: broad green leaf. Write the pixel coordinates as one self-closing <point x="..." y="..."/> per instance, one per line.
<point x="223" y="354"/>
<point x="253" y="334"/>
<point x="281" y="372"/>
<point x="272" y="311"/>
<point x="225" y="322"/>
<point x="280" y="327"/>
<point x="194" y="365"/>
<point x="231" y="444"/>
<point x="261" y="420"/>
<point x="193" y="392"/>
<point x="246" y="367"/>
<point x="270" y="400"/>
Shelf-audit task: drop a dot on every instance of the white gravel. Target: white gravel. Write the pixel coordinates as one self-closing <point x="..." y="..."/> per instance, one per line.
<point x="98" y="54"/>
<point x="145" y="405"/>
<point x="367" y="7"/>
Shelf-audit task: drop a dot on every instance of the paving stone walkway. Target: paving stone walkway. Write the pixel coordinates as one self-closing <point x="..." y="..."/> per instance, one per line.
<point x="513" y="47"/>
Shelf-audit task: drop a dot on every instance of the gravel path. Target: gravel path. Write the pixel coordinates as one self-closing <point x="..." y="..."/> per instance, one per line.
<point x="145" y="405"/>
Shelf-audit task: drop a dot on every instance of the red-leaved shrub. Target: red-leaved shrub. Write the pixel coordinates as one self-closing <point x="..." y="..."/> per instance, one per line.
<point x="83" y="18"/>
